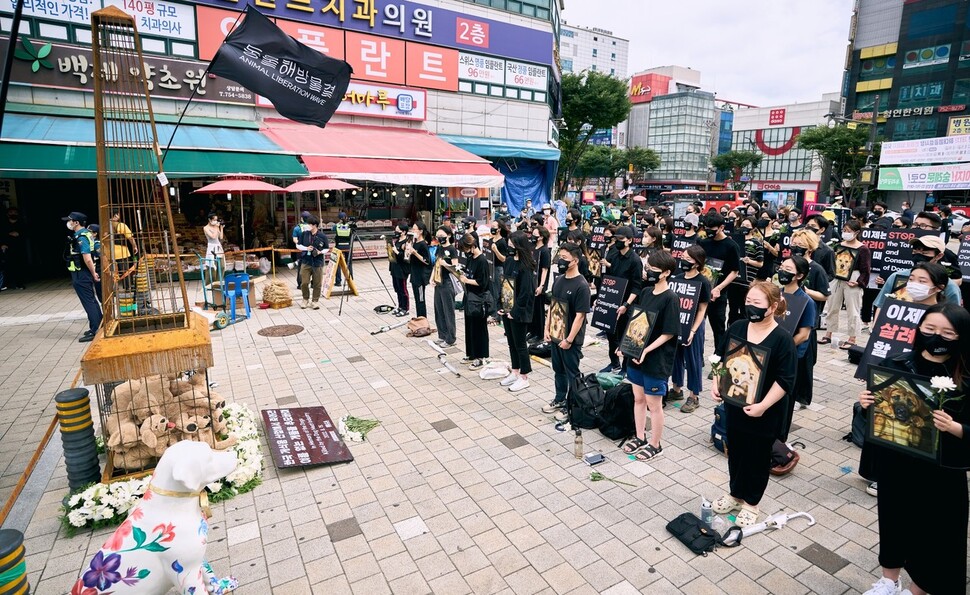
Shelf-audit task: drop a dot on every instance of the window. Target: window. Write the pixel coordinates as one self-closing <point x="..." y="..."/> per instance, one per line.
<point x="567" y="65"/>
<point x="566" y="33"/>
<point x="593" y="68"/>
<point x="594" y="52"/>
<point x="614" y="42"/>
<point x="612" y="72"/>
<point x="921" y="95"/>
<point x="613" y="57"/>
<point x="934" y="21"/>
<point x="596" y="38"/>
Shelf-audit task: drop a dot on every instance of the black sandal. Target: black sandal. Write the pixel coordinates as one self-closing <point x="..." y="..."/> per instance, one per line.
<point x="634" y="445"/>
<point x="648" y="452"/>
<point x="824" y="341"/>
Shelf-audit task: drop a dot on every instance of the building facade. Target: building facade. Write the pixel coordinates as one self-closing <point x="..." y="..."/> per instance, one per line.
<point x="590" y="48"/>
<point x="788" y="175"/>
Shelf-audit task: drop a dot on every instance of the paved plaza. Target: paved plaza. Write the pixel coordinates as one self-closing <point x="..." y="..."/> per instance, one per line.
<point x="463" y="488"/>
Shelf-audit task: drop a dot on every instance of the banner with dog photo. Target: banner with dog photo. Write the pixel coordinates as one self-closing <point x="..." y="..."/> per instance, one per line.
<point x="637" y="332"/>
<point x="845" y="263"/>
<point x="557" y="320"/>
<point x="743" y="376"/>
<point x="507" y="295"/>
<point x="901" y="418"/>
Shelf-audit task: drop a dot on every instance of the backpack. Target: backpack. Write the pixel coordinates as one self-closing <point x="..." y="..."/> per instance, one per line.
<point x="618" y="423"/>
<point x="541" y="349"/>
<point x="419" y="327"/>
<point x="719" y="430"/>
<point x="783" y="459"/>
<point x="585" y="402"/>
<point x="860" y="423"/>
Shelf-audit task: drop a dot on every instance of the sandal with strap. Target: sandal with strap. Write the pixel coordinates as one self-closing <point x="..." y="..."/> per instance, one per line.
<point x="648" y="452"/>
<point x="846" y="345"/>
<point x="824" y="341"/>
<point x="747" y="517"/>
<point x="726" y="504"/>
<point x="634" y="445"/>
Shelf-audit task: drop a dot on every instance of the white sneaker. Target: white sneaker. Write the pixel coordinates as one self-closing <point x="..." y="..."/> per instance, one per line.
<point x="315" y="305"/>
<point x="509" y="380"/>
<point x="884" y="586"/>
<point x="305" y="304"/>
<point x="872" y="489"/>
<point x="520" y="384"/>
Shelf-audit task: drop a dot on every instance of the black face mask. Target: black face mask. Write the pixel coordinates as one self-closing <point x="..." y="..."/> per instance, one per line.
<point x="763" y="223"/>
<point x="754" y="313"/>
<point x="937" y="345"/>
<point x="784" y="277"/>
<point x="562" y="265"/>
<point x="650" y="278"/>
<point x="798" y="251"/>
<point x="443" y="240"/>
<point x="918" y="258"/>
<point x="684" y="265"/>
<point x="878" y="213"/>
<point x="569" y="221"/>
<point x="745" y="231"/>
<point x="712" y="231"/>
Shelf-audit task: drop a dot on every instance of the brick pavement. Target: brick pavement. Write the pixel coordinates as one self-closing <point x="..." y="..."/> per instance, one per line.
<point x="464" y="488"/>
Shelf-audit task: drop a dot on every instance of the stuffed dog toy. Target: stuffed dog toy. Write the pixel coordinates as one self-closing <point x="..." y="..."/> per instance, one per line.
<point x="741" y="369"/>
<point x="897" y="417"/>
<point x="200" y="428"/>
<point x="156" y="434"/>
<point x="161" y="545"/>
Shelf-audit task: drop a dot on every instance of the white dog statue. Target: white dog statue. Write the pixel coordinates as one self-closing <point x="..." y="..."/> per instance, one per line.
<point x="162" y="543"/>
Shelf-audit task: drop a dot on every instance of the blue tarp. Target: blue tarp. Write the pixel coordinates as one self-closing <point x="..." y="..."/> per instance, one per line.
<point x="528" y="180"/>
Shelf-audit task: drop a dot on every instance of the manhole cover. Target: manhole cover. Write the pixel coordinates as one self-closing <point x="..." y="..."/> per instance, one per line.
<point x="280" y="330"/>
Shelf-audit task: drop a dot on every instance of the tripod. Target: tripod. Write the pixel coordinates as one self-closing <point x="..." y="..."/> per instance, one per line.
<point x="350" y="254"/>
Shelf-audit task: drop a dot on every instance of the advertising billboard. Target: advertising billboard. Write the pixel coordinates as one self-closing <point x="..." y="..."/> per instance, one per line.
<point x="944" y="149"/>
<point x="933" y="177"/>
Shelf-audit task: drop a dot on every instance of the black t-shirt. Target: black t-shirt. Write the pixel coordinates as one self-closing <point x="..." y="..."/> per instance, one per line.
<point x="543" y="258"/>
<point x="704" y="295"/>
<point x="725" y="250"/>
<point x="502" y="246"/>
<point x="524" y="282"/>
<point x="477" y="270"/>
<point x="626" y="266"/>
<point x="780" y="367"/>
<point x="665" y="308"/>
<point x="825" y="257"/>
<point x="574" y="295"/>
<point x="400" y="267"/>
<point x="951" y="264"/>
<point x="421" y="271"/>
<point x="448" y="254"/>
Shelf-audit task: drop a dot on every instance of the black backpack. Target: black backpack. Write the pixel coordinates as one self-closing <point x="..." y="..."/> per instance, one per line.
<point x="860" y="423"/>
<point x="719" y="430"/>
<point x="585" y="402"/>
<point x="618" y="423"/>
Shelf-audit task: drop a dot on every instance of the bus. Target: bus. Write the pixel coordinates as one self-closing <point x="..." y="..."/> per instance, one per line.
<point x="711" y="199"/>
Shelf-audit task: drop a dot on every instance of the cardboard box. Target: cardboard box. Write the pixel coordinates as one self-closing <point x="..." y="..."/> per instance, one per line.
<point x="255" y="287"/>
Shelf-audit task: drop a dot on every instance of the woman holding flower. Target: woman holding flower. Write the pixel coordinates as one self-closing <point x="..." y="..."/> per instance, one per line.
<point x="931" y="547"/>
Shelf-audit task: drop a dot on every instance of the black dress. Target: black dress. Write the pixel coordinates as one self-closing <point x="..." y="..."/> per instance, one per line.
<point x="476" y="328"/>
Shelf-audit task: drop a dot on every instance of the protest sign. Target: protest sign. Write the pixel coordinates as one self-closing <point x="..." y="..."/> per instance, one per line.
<point x="688" y="296"/>
<point x="681" y="242"/>
<point x="963" y="259"/>
<point x="612" y="290"/>
<point x="891" y="250"/>
<point x="893" y="332"/>
<point x="796" y="304"/>
<point x="597" y="239"/>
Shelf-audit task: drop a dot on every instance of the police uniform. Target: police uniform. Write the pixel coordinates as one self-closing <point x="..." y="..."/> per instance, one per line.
<point x="82" y="242"/>
<point x="344" y="238"/>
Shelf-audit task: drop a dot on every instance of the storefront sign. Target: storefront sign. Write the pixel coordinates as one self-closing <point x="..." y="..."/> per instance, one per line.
<point x="688" y="293"/>
<point x="431" y="67"/>
<point x="611" y="293"/>
<point x="891" y="250"/>
<point x="945" y="149"/>
<point x="644" y="87"/>
<point x="776" y="117"/>
<point x="894" y="332"/>
<point x="785" y="186"/>
<point x="371" y="100"/>
<point x="303" y="436"/>
<point x="375" y="58"/>
<point x="169" y="19"/>
<point x="928" y="56"/>
<point x="958" y="125"/>
<point x="481" y="69"/>
<point x="934" y="177"/>
<point x="62" y="11"/>
<point x="72" y="68"/>
<point x="405" y="20"/>
<point x="323" y="39"/>
<point x="526" y="76"/>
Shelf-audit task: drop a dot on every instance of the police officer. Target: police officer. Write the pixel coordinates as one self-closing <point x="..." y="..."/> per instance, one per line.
<point x="298" y="231"/>
<point x="82" y="264"/>
<point x="344" y="231"/>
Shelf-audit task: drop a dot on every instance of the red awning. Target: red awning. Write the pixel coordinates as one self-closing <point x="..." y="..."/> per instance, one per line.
<point x="382" y="154"/>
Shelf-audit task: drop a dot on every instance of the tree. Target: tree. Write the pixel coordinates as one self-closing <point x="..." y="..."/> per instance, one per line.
<point x="609" y="163"/>
<point x="845" y="149"/>
<point x="737" y="163"/>
<point x="591" y="101"/>
<point x="643" y="160"/>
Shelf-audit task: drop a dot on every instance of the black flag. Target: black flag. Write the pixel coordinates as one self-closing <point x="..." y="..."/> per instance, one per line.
<point x="303" y="84"/>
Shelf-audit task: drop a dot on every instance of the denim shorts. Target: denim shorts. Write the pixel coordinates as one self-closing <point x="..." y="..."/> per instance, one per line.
<point x="656" y="387"/>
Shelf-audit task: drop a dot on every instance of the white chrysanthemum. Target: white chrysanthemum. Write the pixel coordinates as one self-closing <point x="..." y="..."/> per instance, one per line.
<point x="77" y="518"/>
<point x="715" y="359"/>
<point x="942" y="383"/>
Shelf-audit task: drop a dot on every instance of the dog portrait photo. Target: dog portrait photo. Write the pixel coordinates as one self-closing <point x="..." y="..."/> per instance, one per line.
<point x="744" y="373"/>
<point x="557" y="320"/>
<point x="901" y="418"/>
<point x="507" y="297"/>
<point x="637" y="332"/>
<point x="845" y="262"/>
<point x="594" y="262"/>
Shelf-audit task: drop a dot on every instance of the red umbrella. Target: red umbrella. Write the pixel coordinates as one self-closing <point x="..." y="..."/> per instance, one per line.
<point x="639" y="198"/>
<point x="320" y="183"/>
<point x="240" y="183"/>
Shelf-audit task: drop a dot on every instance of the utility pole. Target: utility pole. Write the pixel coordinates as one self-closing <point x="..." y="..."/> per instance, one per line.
<point x="866" y="175"/>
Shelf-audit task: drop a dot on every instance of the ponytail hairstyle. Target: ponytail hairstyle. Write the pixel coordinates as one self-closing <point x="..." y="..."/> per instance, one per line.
<point x="698" y="254"/>
<point x="776" y="303"/>
<point x="423" y="230"/>
<point x="523" y="250"/>
<point x="543" y="235"/>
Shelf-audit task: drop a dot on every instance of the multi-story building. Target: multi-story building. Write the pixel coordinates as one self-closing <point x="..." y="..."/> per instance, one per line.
<point x="590" y="48"/>
<point x="644" y="87"/>
<point x="683" y="129"/>
<point x="445" y="95"/>
<point x="788" y="175"/>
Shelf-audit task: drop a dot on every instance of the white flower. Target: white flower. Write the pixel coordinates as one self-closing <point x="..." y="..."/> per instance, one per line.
<point x="942" y="383"/>
<point x="715" y="359"/>
<point x="77" y="518"/>
<point x="214" y="486"/>
<point x="74" y="501"/>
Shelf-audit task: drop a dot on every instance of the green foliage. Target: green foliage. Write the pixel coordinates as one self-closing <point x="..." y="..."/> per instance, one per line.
<point x="590" y="101"/>
<point x="738" y="163"/>
<point x="845" y="149"/>
<point x="609" y="163"/>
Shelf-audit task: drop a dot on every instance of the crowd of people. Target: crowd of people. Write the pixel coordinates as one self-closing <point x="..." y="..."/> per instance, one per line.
<point x="539" y="274"/>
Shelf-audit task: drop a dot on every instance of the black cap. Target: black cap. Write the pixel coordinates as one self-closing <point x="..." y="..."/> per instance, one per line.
<point x="75" y="216"/>
<point x="624" y="232"/>
<point x="94" y="228"/>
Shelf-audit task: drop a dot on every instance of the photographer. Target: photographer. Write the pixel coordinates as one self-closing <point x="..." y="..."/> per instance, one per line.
<point x="344" y="230"/>
<point x="313" y="244"/>
<point x="214" y="234"/>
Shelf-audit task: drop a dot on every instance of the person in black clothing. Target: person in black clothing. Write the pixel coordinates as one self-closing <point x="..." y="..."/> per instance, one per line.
<point x="932" y="550"/>
<point x="543" y="259"/>
<point x="419" y="257"/>
<point x="313" y="245"/>
<point x="13" y="257"/>
<point x="649" y="371"/>
<point x="499" y="252"/>
<point x="577" y="238"/>
<point x="622" y="263"/>
<point x="752" y="430"/>
<point x="400" y="268"/>
<point x="518" y="295"/>
<point x="566" y="325"/>
<point x="824" y="255"/>
<point x="720" y="247"/>
<point x="476" y="280"/>
<point x="752" y="251"/>
<point x="444" y="293"/>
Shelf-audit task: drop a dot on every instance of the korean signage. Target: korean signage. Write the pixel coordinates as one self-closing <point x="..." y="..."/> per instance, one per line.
<point x="526" y="76"/>
<point x="688" y="294"/>
<point x="481" y="69"/>
<point x="611" y="294"/>
<point x="303" y="436"/>
<point x="963" y="259"/>
<point x="893" y="333"/>
<point x="405" y="20"/>
<point x="958" y="125"/>
<point x="372" y="100"/>
<point x="64" y="11"/>
<point x="907" y="112"/>
<point x="776" y="117"/>
<point x="951" y="149"/>
<point x="71" y="68"/>
<point x="891" y="250"/>
<point x="932" y="177"/>
<point x="168" y="19"/>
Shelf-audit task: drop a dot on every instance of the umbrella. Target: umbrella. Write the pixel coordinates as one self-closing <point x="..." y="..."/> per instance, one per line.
<point x="639" y="199"/>
<point x="320" y="183"/>
<point x="239" y="183"/>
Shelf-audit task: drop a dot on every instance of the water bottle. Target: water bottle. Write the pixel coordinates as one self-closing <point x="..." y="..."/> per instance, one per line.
<point x="578" y="444"/>
<point x="707" y="512"/>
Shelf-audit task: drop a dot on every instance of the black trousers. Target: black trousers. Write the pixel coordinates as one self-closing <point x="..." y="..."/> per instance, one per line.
<point x="476" y="336"/>
<point x="749" y="459"/>
<point x="868" y="300"/>
<point x="420" y="304"/>
<point x="717" y="315"/>
<point x="736" y="294"/>
<point x="518" y="348"/>
<point x="538" y="325"/>
<point x="401" y="289"/>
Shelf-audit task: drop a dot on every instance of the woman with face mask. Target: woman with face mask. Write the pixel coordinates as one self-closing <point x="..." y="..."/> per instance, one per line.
<point x="792" y="275"/>
<point x="476" y="280"/>
<point x="690" y="353"/>
<point x="752" y="430"/>
<point x="926" y="284"/>
<point x="752" y="256"/>
<point x="520" y="278"/>
<point x="419" y="257"/>
<point x="444" y="293"/>
<point x="543" y="261"/>
<point x="848" y="291"/>
<point x="498" y="247"/>
<point x="932" y="548"/>
<point x="400" y="268"/>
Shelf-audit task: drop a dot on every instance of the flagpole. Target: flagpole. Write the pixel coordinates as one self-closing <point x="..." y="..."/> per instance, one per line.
<point x="195" y="88"/>
<point x="18" y="12"/>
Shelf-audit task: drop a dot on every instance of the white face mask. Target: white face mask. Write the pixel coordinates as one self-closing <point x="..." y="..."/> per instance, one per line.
<point x="70" y="225"/>
<point x="917" y="291"/>
<point x="848" y="236"/>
